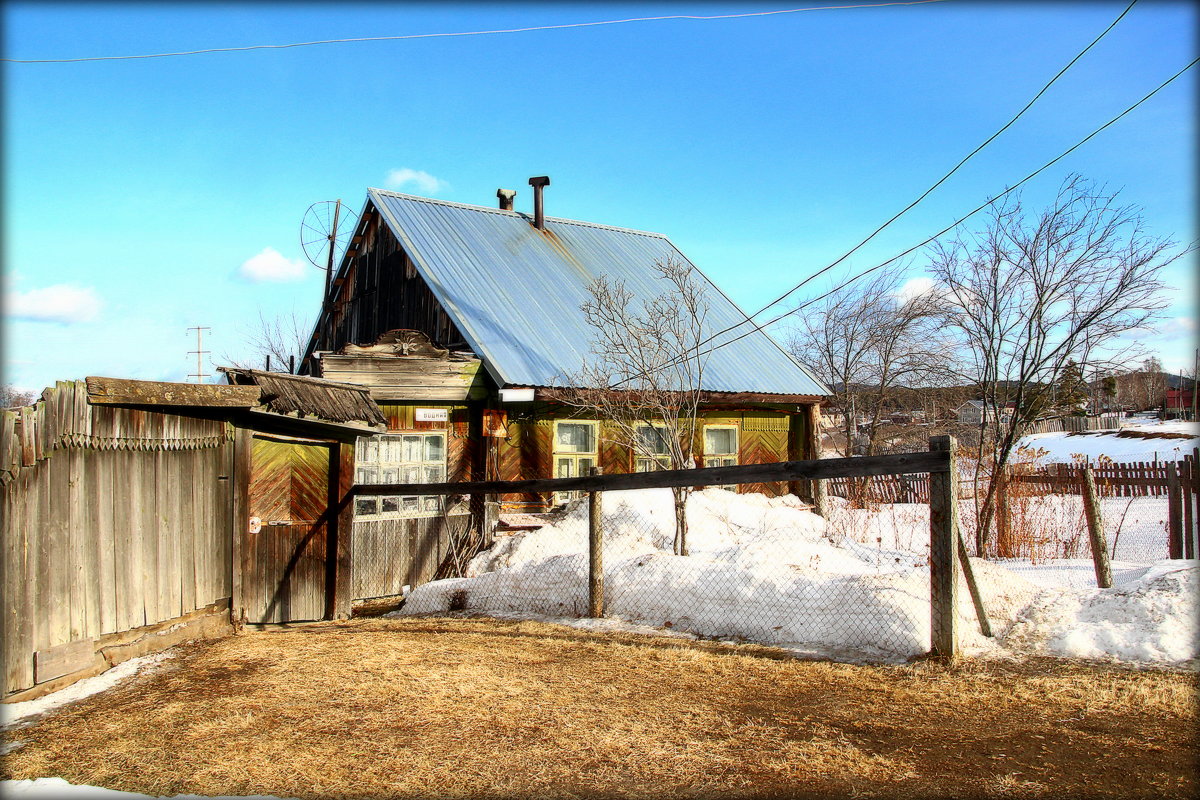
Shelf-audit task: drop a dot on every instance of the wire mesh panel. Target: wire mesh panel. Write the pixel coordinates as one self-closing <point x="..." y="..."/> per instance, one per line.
<point x="753" y="568"/>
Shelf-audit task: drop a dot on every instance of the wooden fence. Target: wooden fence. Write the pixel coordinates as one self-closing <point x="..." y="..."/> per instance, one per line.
<point x="1103" y="422"/>
<point x="113" y="519"/>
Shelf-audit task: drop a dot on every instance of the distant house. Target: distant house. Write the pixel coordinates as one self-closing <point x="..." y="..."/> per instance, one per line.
<point x="971" y="412"/>
<point x="464" y="320"/>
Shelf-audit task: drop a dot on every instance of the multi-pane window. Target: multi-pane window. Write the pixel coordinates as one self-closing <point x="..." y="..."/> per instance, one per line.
<point x="654" y="450"/>
<point x="720" y="445"/>
<point x="574" y="452"/>
<point x="400" y="458"/>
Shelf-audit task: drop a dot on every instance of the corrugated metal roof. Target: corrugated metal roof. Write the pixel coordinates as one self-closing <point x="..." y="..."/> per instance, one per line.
<point x="515" y="292"/>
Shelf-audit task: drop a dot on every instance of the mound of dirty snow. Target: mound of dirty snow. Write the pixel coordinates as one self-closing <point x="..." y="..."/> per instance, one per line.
<point x="1151" y="619"/>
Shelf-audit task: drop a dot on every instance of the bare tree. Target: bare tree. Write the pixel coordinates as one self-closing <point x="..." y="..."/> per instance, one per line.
<point x="866" y="342"/>
<point x="274" y="343"/>
<point x="12" y="397"/>
<point x="646" y="370"/>
<point x="1027" y="293"/>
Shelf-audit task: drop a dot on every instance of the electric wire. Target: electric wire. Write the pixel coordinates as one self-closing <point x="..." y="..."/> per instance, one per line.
<point x="926" y="193"/>
<point x="758" y="327"/>
<point x="401" y="37"/>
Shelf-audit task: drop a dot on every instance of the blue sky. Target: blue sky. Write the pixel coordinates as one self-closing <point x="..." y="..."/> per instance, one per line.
<point x="146" y="196"/>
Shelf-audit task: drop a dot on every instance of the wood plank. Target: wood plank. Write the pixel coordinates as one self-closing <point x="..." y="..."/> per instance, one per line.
<point x="126" y="493"/>
<point x="80" y="537"/>
<point x="166" y="505"/>
<point x="18" y="614"/>
<point x="57" y="566"/>
<point x="341" y="530"/>
<point x="943" y="555"/>
<point x="63" y="659"/>
<point x="148" y="525"/>
<point x="242" y="587"/>
<point x="100" y="490"/>
<point x="122" y="391"/>
<point x="184" y="478"/>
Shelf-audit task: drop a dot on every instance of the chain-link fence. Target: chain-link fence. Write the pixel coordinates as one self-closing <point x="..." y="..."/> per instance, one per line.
<point x="852" y="582"/>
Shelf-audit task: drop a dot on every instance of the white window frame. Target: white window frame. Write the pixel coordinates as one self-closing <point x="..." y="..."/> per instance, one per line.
<point x="388" y="465"/>
<point x="723" y="459"/>
<point x="645" y="463"/>
<point x="578" y="460"/>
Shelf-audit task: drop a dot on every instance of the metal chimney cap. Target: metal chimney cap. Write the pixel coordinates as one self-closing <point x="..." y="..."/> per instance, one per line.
<point x="506" y="198"/>
<point x="541" y="180"/>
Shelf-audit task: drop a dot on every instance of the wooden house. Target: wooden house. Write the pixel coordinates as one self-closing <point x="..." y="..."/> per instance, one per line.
<point x="464" y="321"/>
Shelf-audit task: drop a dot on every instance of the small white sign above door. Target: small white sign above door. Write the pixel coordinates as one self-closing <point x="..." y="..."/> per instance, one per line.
<point x="432" y="414"/>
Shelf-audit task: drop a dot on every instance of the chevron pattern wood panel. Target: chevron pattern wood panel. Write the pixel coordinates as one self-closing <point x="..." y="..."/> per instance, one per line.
<point x="287" y="562"/>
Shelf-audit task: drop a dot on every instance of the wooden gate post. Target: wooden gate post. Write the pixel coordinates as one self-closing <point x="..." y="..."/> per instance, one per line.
<point x="1091" y="506"/>
<point x="595" y="553"/>
<point x="1174" y="518"/>
<point x="943" y="553"/>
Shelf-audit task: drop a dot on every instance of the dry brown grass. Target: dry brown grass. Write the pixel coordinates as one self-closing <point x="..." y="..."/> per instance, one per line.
<point x="420" y="708"/>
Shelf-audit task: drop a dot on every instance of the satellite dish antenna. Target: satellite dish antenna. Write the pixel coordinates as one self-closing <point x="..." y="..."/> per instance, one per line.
<point x="324" y="233"/>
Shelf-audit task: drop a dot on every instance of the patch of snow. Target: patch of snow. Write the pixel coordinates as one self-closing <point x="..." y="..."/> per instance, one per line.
<point x="17" y="714"/>
<point x="57" y="787"/>
<point x="1149" y="619"/>
<point x="1065" y="447"/>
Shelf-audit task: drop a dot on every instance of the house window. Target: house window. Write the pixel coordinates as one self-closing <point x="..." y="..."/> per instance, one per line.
<point x="654" y="450"/>
<point x="399" y="458"/>
<point x="574" y="452"/>
<point x="720" y="445"/>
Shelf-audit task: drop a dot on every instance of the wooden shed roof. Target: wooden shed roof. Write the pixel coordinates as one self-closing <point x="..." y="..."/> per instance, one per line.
<point x="302" y="396"/>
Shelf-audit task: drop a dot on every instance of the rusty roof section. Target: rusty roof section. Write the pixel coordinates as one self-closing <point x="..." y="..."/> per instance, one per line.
<point x="301" y="396"/>
<point x="515" y="291"/>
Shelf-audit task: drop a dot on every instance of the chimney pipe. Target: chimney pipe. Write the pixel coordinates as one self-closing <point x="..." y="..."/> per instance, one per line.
<point x="539" y="217"/>
<point x="506" y="198"/>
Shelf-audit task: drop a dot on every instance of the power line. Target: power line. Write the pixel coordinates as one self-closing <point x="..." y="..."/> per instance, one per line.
<point x="464" y="33"/>
<point x="759" y="327"/>
<point x="927" y="192"/>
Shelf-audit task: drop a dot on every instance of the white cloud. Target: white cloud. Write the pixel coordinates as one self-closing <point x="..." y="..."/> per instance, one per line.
<point x="419" y="179"/>
<point x="914" y="288"/>
<point x="271" y="265"/>
<point x="64" y="303"/>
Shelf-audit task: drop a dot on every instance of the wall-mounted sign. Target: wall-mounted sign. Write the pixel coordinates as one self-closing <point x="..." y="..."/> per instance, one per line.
<point x="432" y="414"/>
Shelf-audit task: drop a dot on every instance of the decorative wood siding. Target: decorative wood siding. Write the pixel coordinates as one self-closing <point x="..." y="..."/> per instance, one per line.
<point x="284" y="578"/>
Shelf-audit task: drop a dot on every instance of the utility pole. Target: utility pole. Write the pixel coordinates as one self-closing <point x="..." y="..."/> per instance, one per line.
<point x="1195" y="370"/>
<point x="199" y="352"/>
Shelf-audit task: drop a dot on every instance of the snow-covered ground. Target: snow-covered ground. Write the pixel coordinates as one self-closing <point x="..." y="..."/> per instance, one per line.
<point x="767" y="571"/>
<point x="1066" y="448"/>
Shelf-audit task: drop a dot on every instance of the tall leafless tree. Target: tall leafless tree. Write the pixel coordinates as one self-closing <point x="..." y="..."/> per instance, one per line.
<point x="1028" y="292"/>
<point x="866" y="342"/>
<point x="645" y="373"/>
<point x="279" y="341"/>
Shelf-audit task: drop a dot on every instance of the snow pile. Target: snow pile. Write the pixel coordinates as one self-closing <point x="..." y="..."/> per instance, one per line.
<point x="1150" y="619"/>
<point x="1065" y="448"/>
<point x="758" y="569"/>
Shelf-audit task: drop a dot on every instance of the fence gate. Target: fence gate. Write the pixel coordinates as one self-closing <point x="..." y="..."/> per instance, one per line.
<point x="286" y="565"/>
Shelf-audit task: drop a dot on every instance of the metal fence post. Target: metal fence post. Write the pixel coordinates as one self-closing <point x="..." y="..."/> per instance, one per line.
<point x="595" y="553"/>
<point x="1091" y="506"/>
<point x="943" y="553"/>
